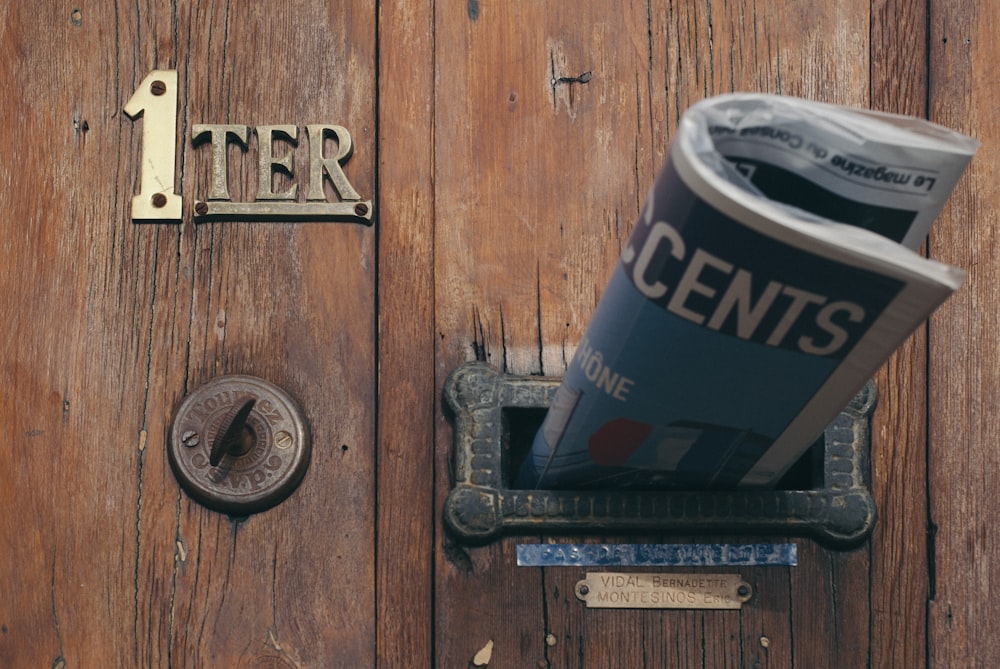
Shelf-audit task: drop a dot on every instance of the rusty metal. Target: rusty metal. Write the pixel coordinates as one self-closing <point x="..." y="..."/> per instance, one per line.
<point x="155" y="100"/>
<point x="336" y="212"/>
<point x="649" y="554"/>
<point x="220" y="136"/>
<point x="838" y="511"/>
<point x="239" y="445"/>
<point x="282" y="205"/>
<point x="234" y="438"/>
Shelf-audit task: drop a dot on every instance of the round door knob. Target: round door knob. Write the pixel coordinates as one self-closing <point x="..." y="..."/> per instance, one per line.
<point x="239" y="445"/>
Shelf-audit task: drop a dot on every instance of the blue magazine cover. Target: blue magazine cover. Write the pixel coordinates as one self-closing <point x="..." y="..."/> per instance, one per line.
<point x="737" y="324"/>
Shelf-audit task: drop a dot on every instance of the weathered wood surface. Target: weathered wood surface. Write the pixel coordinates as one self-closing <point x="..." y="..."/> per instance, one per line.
<point x="964" y="377"/>
<point x="526" y="236"/>
<point x="407" y="399"/>
<point x="110" y="324"/>
<point x="899" y="559"/>
<point x="508" y="147"/>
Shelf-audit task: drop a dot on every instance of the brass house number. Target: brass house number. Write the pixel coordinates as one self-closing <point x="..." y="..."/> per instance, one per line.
<point x="156" y="101"/>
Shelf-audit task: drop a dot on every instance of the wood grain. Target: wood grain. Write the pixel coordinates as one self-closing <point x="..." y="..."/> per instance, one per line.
<point x="900" y="575"/>
<point x="407" y="392"/>
<point x="525" y="235"/>
<point x="116" y="322"/>
<point x="508" y="148"/>
<point x="964" y="381"/>
<point x="525" y="239"/>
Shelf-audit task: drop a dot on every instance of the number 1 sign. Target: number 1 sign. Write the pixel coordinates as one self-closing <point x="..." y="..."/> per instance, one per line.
<point x="156" y="101"/>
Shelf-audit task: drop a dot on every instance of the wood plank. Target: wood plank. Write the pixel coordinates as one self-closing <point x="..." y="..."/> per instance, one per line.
<point x="116" y="322"/>
<point x="829" y="608"/>
<point x="537" y="187"/>
<point x="294" y="304"/>
<point x="964" y="379"/>
<point x="110" y="324"/>
<point x="407" y="397"/>
<point x="66" y="480"/>
<point x="530" y="214"/>
<point x="899" y="567"/>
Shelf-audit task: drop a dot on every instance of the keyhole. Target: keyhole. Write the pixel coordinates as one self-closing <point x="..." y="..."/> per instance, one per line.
<point x="254" y="436"/>
<point x="236" y="437"/>
<point x="244" y="442"/>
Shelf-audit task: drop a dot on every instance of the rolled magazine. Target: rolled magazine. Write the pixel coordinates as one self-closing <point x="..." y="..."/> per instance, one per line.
<point x="769" y="275"/>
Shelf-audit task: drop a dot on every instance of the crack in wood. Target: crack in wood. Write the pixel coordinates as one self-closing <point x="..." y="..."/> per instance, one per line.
<point x="58" y="662"/>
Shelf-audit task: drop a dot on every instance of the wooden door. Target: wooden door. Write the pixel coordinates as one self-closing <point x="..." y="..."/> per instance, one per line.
<point x="507" y="148"/>
<point x="111" y="324"/>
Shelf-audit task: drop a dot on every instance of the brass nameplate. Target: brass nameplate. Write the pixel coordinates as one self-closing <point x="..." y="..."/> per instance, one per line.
<point x="155" y="100"/>
<point x="613" y="590"/>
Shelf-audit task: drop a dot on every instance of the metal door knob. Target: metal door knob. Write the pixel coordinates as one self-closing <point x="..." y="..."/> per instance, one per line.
<point x="239" y="445"/>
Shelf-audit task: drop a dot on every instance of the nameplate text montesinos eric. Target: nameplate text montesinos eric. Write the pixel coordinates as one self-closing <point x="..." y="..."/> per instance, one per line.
<point x="613" y="590"/>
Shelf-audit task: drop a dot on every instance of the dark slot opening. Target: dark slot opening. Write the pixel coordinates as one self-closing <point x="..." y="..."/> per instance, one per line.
<point x="520" y="426"/>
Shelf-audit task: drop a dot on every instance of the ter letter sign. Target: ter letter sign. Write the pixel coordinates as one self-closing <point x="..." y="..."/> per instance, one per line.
<point x="156" y="101"/>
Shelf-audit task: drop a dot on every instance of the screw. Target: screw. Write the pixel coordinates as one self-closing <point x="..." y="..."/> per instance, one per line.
<point x="283" y="440"/>
<point x="584" y="590"/>
<point x="743" y="590"/>
<point x="157" y="87"/>
<point x="190" y="439"/>
<point x="159" y="200"/>
<point x="361" y="209"/>
<point x="201" y="208"/>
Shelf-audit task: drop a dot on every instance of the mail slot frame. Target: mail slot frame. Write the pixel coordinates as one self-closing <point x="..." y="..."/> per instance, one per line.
<point x="481" y="507"/>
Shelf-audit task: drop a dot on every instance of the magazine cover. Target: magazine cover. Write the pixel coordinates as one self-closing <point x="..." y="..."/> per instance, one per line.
<point x="767" y="279"/>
